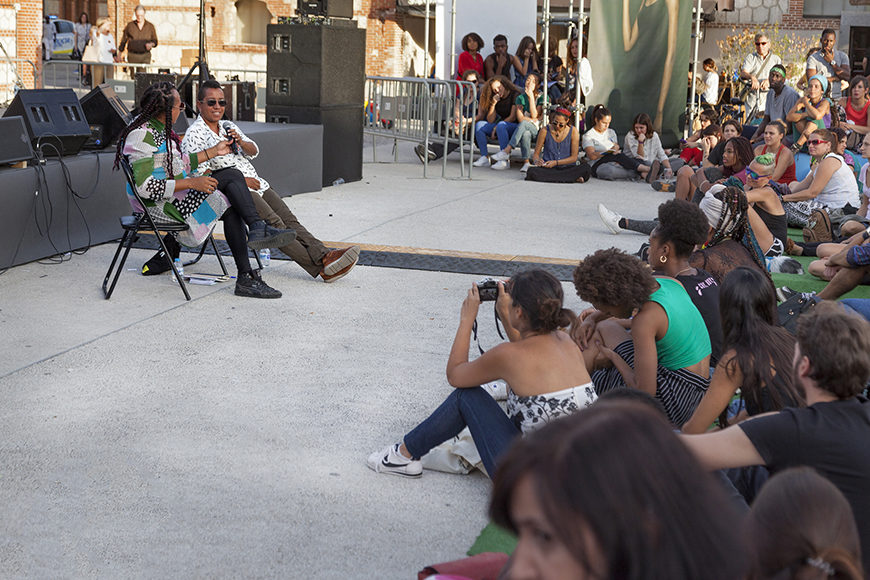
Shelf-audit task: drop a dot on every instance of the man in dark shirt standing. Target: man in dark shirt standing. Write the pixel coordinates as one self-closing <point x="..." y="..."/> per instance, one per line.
<point x="139" y="38"/>
<point x="832" y="365"/>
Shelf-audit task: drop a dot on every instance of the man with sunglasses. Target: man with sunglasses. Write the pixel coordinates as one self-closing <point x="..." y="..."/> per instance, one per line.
<point x="756" y="69"/>
<point x="830" y="62"/>
<point x="208" y="130"/>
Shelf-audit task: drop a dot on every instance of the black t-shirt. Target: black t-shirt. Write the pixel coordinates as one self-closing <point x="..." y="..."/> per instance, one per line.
<point x="704" y="292"/>
<point x="503" y="106"/>
<point x="715" y="155"/>
<point x="829" y="437"/>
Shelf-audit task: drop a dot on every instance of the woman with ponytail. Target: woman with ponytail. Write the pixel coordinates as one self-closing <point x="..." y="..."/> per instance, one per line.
<point x="543" y="367"/>
<point x="161" y="171"/>
<point x="802" y="527"/>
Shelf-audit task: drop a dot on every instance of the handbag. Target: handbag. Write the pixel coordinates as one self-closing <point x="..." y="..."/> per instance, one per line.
<point x="789" y="311"/>
<point x="90" y="54"/>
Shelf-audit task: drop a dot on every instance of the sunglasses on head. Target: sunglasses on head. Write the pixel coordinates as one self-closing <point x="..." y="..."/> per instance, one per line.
<point x="213" y="102"/>
<point x="816" y="141"/>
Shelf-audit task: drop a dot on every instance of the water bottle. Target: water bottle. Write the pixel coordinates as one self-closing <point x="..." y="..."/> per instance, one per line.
<point x="265" y="257"/>
<point x="178" y="266"/>
<point x="338" y="181"/>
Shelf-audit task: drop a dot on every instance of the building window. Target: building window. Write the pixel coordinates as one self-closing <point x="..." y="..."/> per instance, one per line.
<point x="828" y="8"/>
<point x="252" y="16"/>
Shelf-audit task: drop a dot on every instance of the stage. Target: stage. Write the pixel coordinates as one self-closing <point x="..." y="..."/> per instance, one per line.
<point x="59" y="208"/>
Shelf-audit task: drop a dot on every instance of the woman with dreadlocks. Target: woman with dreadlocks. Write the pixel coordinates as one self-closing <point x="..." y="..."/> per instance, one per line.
<point x="153" y="150"/>
<point x="731" y="242"/>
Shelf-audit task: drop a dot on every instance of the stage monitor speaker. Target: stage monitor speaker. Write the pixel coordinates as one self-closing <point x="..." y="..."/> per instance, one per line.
<point x="15" y="144"/>
<point x="315" y="66"/>
<point x="145" y="80"/>
<point x="103" y="107"/>
<point x="53" y="117"/>
<point x="342" y="136"/>
<point x="241" y="100"/>
<point x="330" y="8"/>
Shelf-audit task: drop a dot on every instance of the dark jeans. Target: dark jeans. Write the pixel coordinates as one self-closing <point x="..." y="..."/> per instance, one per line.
<point x="232" y="184"/>
<point x="621" y="158"/>
<point x="491" y="429"/>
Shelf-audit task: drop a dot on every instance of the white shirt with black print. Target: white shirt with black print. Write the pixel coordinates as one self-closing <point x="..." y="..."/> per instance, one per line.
<point x="199" y="137"/>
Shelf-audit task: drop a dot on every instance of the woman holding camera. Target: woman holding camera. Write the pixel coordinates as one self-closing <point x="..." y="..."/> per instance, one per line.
<point x="543" y="367"/>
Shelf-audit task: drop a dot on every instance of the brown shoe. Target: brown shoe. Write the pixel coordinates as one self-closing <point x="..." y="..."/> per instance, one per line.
<point x="338" y="263"/>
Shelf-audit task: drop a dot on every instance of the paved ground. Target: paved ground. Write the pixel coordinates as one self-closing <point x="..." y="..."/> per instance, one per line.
<point x="226" y="437"/>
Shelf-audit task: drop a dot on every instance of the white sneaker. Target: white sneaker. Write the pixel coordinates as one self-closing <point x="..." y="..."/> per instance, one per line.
<point x="502" y="156"/>
<point x="525" y="168"/>
<point x="389" y="460"/>
<point x="501" y="165"/>
<point x="496" y="389"/>
<point x="483" y="161"/>
<point x="610" y="218"/>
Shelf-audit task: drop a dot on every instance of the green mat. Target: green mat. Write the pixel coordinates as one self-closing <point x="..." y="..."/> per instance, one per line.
<point x="807" y="282"/>
<point x="493" y="539"/>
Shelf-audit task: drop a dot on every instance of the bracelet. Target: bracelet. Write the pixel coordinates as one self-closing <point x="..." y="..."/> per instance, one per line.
<point x="206" y="154"/>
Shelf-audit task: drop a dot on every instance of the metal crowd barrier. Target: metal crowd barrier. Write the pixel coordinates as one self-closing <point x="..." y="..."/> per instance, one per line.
<point x="423" y="111"/>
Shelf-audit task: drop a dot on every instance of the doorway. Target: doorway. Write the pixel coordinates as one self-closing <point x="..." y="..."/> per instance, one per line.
<point x="859" y="48"/>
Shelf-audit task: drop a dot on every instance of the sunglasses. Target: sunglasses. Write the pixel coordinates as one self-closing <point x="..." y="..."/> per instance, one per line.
<point x="754" y="175"/>
<point x="816" y="142"/>
<point x="760" y="43"/>
<point x="213" y="102"/>
<point x="559" y="125"/>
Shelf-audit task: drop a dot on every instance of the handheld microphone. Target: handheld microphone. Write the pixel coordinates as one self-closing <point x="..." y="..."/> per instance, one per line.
<point x="233" y="145"/>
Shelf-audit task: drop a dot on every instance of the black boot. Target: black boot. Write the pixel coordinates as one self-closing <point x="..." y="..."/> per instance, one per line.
<point x="250" y="284"/>
<point x="159" y="263"/>
<point x="261" y="235"/>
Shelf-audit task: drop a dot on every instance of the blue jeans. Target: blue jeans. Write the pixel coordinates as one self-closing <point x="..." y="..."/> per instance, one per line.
<point x="491" y="429"/>
<point x="859" y="305"/>
<point x="504" y="131"/>
<point x="523" y="136"/>
<point x="482" y="131"/>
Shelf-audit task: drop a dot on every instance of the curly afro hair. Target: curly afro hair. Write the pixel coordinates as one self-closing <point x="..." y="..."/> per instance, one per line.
<point x="613" y="278"/>
<point x="683" y="224"/>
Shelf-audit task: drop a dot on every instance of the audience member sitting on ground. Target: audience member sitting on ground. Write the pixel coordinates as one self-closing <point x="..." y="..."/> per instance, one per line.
<point x="611" y="493"/>
<point x="499" y="63"/>
<point x="829" y="63"/>
<point x="643" y="144"/>
<point x="784" y="169"/>
<point x="690" y="149"/>
<point x="731" y="242"/>
<point x="208" y="131"/>
<point x="154" y="151"/>
<point x="464" y="113"/>
<point x="840" y="138"/>
<point x="802" y="526"/>
<point x="555" y="156"/>
<point x="525" y="61"/>
<point x="667" y="353"/>
<point x="845" y="265"/>
<point x="544" y="370"/>
<point x="712" y="151"/>
<point x="758" y="354"/>
<point x="469" y="58"/>
<point x="602" y="147"/>
<point x="529" y="110"/>
<point x="766" y="214"/>
<point x="830" y="184"/>
<point x="780" y="99"/>
<point x="831" y="365"/>
<point x="736" y="157"/>
<point x="496" y="107"/>
<point x="811" y="113"/>
<point x="680" y="226"/>
<point x="856" y="106"/>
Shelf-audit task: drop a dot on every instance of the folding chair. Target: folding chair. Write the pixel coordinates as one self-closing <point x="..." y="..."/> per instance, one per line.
<point x="137" y="222"/>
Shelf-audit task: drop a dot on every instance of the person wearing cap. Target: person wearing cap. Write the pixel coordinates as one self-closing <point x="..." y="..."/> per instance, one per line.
<point x="756" y="69"/>
<point x="780" y="99"/>
<point x="829" y="62"/>
<point x="811" y="112"/>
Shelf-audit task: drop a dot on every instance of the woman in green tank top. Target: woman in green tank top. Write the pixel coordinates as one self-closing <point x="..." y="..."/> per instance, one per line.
<point x="642" y="332"/>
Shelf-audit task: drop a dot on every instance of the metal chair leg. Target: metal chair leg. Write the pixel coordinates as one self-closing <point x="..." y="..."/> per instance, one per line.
<point x="127" y="240"/>
<point x="218" y="254"/>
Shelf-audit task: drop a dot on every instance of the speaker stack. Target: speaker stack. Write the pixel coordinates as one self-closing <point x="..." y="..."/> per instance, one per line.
<point x="107" y="116"/>
<point x="54" y="120"/>
<point x="316" y="75"/>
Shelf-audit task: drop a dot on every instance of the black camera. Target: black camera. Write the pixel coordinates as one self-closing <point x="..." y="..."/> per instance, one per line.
<point x="487" y="289"/>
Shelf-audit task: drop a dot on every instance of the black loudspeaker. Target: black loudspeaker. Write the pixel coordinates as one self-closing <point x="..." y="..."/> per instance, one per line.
<point x="15" y="144"/>
<point x="103" y="107"/>
<point x="241" y="100"/>
<point x="53" y="117"/>
<point x="315" y="66"/>
<point x="145" y="80"/>
<point x="342" y="136"/>
<point x="330" y="8"/>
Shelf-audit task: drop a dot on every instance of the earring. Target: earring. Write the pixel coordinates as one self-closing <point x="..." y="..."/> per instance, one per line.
<point x="663" y="259"/>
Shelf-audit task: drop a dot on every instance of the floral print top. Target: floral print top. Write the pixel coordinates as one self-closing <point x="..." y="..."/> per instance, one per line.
<point x="532" y="413"/>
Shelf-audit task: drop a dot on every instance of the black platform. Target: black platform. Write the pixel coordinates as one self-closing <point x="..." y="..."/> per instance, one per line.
<point x="290" y="159"/>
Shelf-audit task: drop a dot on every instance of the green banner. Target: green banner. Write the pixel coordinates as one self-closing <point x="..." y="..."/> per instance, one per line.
<point x="639" y="52"/>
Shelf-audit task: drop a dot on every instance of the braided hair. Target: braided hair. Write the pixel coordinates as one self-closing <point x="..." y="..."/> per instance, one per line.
<point x="158" y="98"/>
<point x="734" y="223"/>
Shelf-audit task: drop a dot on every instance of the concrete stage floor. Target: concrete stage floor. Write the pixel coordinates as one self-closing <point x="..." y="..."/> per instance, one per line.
<point x="226" y="437"/>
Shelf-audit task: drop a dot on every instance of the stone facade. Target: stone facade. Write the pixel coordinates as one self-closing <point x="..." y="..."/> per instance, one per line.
<point x="20" y="34"/>
<point x="788" y="14"/>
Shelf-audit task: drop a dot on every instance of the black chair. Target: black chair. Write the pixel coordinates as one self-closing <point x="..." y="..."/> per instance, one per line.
<point x="137" y="222"/>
